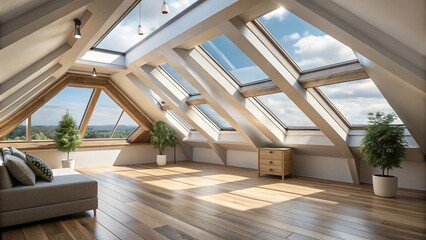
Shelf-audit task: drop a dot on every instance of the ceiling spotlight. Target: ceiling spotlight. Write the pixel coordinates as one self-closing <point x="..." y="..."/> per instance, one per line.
<point x="140" y="32"/>
<point x="94" y="73"/>
<point x="164" y="8"/>
<point x="77" y="25"/>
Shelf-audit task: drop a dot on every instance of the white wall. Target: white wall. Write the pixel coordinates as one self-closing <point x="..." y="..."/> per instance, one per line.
<point x="104" y="157"/>
<point x="330" y="168"/>
<point x="411" y="175"/>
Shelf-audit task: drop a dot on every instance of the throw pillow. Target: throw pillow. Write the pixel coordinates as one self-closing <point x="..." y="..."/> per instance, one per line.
<point x="40" y="168"/>
<point x="16" y="152"/>
<point x="5" y="179"/>
<point x="20" y="171"/>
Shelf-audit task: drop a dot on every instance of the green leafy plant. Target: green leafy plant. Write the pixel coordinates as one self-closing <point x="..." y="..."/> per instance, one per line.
<point x="67" y="135"/>
<point x="383" y="145"/>
<point x="162" y="137"/>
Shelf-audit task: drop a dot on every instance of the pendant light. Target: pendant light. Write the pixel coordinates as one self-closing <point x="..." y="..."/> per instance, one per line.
<point x="164" y="8"/>
<point x="140" y="32"/>
<point x="94" y="73"/>
<point x="77" y="25"/>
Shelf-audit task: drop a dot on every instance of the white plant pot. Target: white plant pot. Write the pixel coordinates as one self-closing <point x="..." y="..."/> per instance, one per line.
<point x="68" y="163"/>
<point x="385" y="186"/>
<point x="161" y="160"/>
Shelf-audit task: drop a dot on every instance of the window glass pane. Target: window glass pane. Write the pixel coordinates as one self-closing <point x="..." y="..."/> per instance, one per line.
<point x="124" y="35"/>
<point x="183" y="122"/>
<point x="180" y="80"/>
<point x="306" y="45"/>
<point x="125" y="127"/>
<point x="17" y="134"/>
<point x="234" y="60"/>
<point x="285" y="110"/>
<point x="214" y="117"/>
<point x="45" y="120"/>
<point x="356" y="99"/>
<point x="104" y="118"/>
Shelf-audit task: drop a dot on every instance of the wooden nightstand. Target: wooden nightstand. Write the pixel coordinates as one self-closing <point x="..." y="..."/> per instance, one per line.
<point x="276" y="161"/>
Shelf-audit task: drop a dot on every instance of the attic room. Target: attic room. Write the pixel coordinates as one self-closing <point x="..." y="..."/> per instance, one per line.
<point x="206" y="119"/>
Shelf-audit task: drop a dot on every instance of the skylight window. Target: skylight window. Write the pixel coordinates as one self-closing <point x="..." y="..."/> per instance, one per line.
<point x="124" y="35"/>
<point x="284" y="110"/>
<point x="211" y="114"/>
<point x="46" y="119"/>
<point x="180" y="80"/>
<point x="307" y="46"/>
<point x="243" y="69"/>
<point x="356" y="99"/>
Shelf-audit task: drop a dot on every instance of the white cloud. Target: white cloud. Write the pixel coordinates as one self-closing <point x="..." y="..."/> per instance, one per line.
<point x="315" y="51"/>
<point x="293" y="36"/>
<point x="278" y="14"/>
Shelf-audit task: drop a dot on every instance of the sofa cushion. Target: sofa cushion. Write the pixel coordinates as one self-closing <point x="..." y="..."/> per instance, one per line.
<point x="5" y="178"/>
<point x="20" y="170"/>
<point x="17" y="153"/>
<point x="39" y="167"/>
<point x="62" y="189"/>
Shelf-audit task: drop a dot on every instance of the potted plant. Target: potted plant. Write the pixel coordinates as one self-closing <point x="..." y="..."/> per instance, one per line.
<point x="67" y="138"/>
<point x="383" y="146"/>
<point x="162" y="137"/>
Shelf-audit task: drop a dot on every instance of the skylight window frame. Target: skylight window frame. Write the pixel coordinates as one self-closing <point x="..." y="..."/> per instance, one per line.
<point x="170" y="21"/>
<point x="180" y="120"/>
<point x="178" y="83"/>
<point x="230" y="75"/>
<point x="210" y="120"/>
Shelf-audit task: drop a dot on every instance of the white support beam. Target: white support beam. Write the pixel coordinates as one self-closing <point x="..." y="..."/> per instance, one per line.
<point x="40" y="17"/>
<point x="248" y="42"/>
<point x="216" y="96"/>
<point x="188" y="113"/>
<point x="142" y="97"/>
<point x="21" y="79"/>
<point x="363" y="38"/>
<point x="215" y="86"/>
<point x="26" y="90"/>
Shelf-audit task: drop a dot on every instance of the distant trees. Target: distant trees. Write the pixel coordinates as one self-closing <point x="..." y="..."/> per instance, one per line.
<point x="40" y="132"/>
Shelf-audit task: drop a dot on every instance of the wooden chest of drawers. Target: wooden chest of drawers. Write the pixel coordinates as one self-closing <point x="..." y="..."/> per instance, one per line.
<point x="275" y="161"/>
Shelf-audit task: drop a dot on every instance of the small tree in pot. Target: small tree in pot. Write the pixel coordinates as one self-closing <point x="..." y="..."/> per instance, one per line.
<point x="67" y="138"/>
<point x="162" y="137"/>
<point x="383" y="146"/>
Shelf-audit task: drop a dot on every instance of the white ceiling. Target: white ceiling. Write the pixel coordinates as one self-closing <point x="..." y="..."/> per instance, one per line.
<point x="403" y="20"/>
<point x="11" y="9"/>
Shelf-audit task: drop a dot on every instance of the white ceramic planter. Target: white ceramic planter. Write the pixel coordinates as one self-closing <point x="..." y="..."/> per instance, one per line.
<point x="385" y="186"/>
<point x="161" y="160"/>
<point x="68" y="163"/>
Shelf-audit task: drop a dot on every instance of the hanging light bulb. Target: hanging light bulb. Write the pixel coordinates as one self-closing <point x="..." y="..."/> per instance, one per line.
<point x="164" y="8"/>
<point x="94" y="73"/>
<point x="77" y="24"/>
<point x="140" y="32"/>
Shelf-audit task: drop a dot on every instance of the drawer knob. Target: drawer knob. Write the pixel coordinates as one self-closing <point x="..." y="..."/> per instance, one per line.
<point x="271" y="170"/>
<point x="271" y="152"/>
<point x="270" y="162"/>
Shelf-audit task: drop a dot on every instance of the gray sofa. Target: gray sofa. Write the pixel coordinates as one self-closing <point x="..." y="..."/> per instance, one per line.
<point x="70" y="192"/>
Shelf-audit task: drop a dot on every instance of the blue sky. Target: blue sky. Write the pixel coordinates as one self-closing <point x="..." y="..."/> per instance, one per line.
<point x="75" y="100"/>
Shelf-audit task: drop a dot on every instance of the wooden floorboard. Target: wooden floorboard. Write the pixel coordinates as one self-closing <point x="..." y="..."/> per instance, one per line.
<point x="202" y="201"/>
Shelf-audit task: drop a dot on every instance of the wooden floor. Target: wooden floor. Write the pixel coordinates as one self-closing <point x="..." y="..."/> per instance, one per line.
<point x="202" y="201"/>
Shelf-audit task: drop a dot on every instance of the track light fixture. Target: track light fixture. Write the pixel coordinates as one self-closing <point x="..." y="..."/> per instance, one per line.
<point x="94" y="73"/>
<point x="140" y="32"/>
<point x="77" y="25"/>
<point x="164" y="8"/>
